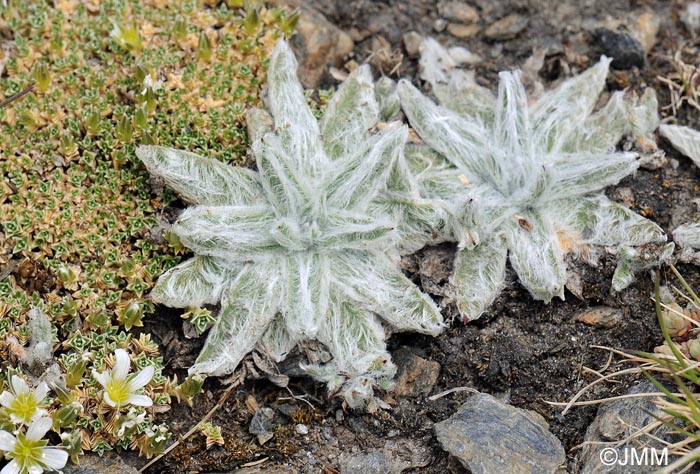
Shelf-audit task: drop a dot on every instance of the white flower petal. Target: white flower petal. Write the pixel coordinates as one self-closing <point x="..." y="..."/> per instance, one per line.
<point x="7" y="441"/>
<point x="55" y="458"/>
<point x="18" y="385"/>
<point x="38" y="428"/>
<point x="122" y="364"/>
<point x="140" y="400"/>
<point x="141" y="379"/>
<point x="34" y="469"/>
<point x="38" y="413"/>
<point x="6" y="398"/>
<point x="101" y="377"/>
<point x="41" y="391"/>
<point x="108" y="400"/>
<point x="11" y="468"/>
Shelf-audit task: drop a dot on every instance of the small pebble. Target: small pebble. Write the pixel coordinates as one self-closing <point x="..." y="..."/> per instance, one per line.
<point x="302" y="429"/>
<point x="459" y="30"/>
<point x="440" y="25"/>
<point x="645" y="30"/>
<point x="339" y="416"/>
<point x="626" y="51"/>
<point x="459" y="12"/>
<point x="507" y="27"/>
<point x="411" y="42"/>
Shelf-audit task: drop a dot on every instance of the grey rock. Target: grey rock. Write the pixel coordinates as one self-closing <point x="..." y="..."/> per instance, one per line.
<point x="616" y="421"/>
<point x="395" y="457"/>
<point x="91" y="463"/>
<point x="507" y="27"/>
<point x="416" y="375"/>
<point x="411" y="42"/>
<point x="626" y="51"/>
<point x="489" y="436"/>
<point x="302" y="429"/>
<point x="261" y="424"/>
<point x="458" y="11"/>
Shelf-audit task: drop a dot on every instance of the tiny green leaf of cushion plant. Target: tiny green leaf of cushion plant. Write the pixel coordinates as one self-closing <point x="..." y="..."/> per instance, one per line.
<point x="297" y="249"/>
<point x="535" y="170"/>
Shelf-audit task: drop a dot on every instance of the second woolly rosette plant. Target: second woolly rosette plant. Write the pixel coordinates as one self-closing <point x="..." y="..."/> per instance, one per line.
<point x="527" y="177"/>
<point x="297" y="249"/>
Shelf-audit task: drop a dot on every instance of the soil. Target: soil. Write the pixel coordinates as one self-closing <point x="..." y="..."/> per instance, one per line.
<point x="522" y="350"/>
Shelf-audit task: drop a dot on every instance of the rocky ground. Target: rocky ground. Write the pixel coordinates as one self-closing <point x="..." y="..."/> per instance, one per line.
<point x="522" y="352"/>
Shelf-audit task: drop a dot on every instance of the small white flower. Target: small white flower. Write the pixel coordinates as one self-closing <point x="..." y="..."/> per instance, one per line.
<point x="28" y="452"/>
<point x="22" y="404"/>
<point x="148" y="81"/>
<point x="119" y="387"/>
<point x="132" y="419"/>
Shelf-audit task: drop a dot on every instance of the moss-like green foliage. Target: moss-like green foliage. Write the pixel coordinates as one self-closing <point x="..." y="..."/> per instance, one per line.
<point x="527" y="175"/>
<point x="297" y="250"/>
<point x="79" y="237"/>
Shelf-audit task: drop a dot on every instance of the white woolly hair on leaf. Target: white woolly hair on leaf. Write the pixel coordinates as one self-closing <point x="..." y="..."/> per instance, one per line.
<point x="459" y="140"/>
<point x="351" y="112"/>
<point x="684" y="139"/>
<point x="536" y="256"/>
<point x="356" y="339"/>
<point x="375" y="282"/>
<point x="277" y="343"/>
<point x="583" y="173"/>
<point x="602" y="131"/>
<point x="248" y="306"/>
<point x="421" y="218"/>
<point x="259" y="123"/>
<point x="295" y="125"/>
<point x="644" y="115"/>
<point x="362" y="177"/>
<point x="282" y="181"/>
<point x="201" y="180"/>
<point x="479" y="276"/>
<point x="227" y="232"/>
<point x="387" y="98"/>
<point x="195" y="282"/>
<point x="688" y="235"/>
<point x="435" y="62"/>
<point x="306" y="303"/>
<point x="560" y="112"/>
<point x="633" y="260"/>
<point x="599" y="221"/>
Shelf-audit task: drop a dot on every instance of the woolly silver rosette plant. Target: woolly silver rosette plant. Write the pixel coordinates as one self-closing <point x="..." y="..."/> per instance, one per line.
<point x="527" y="175"/>
<point x="297" y="249"/>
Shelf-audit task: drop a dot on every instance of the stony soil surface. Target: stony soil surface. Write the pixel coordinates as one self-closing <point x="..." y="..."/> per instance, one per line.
<point x="522" y="351"/>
